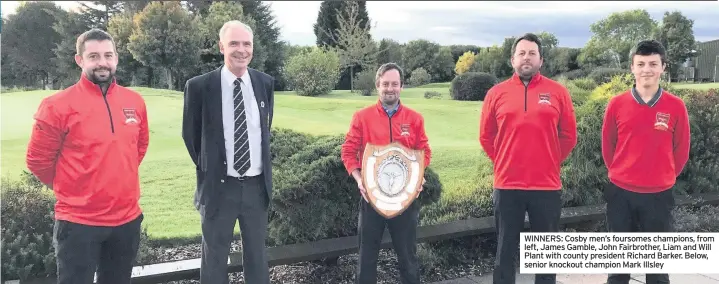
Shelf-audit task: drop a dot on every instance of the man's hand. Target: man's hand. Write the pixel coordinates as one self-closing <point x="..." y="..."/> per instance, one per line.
<point x="358" y="178"/>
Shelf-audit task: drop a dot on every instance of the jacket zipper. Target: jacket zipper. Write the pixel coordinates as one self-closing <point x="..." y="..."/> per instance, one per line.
<point x="104" y="97"/>
<point x="390" y="129"/>
<point x="525" y="97"/>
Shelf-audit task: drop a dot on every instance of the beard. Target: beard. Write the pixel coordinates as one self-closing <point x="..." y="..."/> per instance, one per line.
<point x="98" y="77"/>
<point x="390" y="98"/>
<point x="526" y="73"/>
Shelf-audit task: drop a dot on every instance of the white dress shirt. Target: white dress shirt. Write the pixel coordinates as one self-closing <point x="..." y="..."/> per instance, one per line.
<point x="253" y="122"/>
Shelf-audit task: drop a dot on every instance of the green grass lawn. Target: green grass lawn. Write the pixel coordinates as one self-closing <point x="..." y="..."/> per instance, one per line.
<point x="167" y="173"/>
<point x="698" y="86"/>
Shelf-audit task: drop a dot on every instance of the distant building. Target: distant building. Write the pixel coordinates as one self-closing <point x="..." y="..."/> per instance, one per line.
<point x="705" y="66"/>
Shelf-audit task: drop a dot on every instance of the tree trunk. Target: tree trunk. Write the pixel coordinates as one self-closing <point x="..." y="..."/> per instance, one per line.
<point x="352" y="80"/>
<point x="168" y="76"/>
<point x="150" y="77"/>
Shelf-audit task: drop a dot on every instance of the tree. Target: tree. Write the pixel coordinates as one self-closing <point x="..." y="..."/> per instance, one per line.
<point x="326" y="25"/>
<point x="505" y="68"/>
<point x="419" y="53"/>
<point x="99" y="13"/>
<point x="615" y="35"/>
<point x="29" y="40"/>
<point x="442" y="65"/>
<point x="268" y="32"/>
<point x="134" y="6"/>
<point x="549" y="43"/>
<point x="69" y="25"/>
<point x="563" y="59"/>
<point x="199" y="7"/>
<point x="165" y="36"/>
<point x="389" y="51"/>
<point x="354" y="44"/>
<point x="491" y="60"/>
<point x="121" y="27"/>
<point x="313" y="73"/>
<point x="459" y="50"/>
<point x="464" y="62"/>
<point x="677" y="36"/>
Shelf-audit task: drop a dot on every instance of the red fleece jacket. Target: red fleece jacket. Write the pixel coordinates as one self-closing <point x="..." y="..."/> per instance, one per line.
<point x="527" y="131"/>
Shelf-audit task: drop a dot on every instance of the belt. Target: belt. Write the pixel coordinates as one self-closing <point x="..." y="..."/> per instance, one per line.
<point x="243" y="178"/>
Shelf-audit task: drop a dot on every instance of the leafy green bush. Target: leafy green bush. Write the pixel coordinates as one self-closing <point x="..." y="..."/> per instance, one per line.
<point x="574" y="74"/>
<point x="314" y="198"/>
<point x="432" y="95"/>
<point x="700" y="173"/>
<point x="579" y="89"/>
<point x="27" y="228"/>
<point x="604" y="75"/>
<point x="27" y="231"/>
<point x="313" y="73"/>
<point x="584" y="173"/>
<point x="585" y="84"/>
<point x="579" y="95"/>
<point x="419" y="77"/>
<point x="364" y="82"/>
<point x="691" y="219"/>
<point x="472" y="86"/>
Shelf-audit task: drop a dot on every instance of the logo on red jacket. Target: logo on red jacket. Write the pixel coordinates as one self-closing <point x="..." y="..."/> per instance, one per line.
<point x="405" y="129"/>
<point x="662" y="122"/>
<point x="544" y="99"/>
<point x="130" y="115"/>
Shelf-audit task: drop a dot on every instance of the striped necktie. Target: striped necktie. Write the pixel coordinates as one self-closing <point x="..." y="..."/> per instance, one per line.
<point x="242" y="146"/>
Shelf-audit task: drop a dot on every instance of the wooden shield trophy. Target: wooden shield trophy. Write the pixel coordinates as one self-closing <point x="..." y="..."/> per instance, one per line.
<point x="392" y="176"/>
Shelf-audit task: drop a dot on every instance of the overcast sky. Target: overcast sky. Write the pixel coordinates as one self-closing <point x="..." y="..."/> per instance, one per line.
<point x="479" y="22"/>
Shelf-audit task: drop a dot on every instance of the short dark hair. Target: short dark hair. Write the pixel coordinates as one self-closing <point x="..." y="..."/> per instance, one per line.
<point x="648" y="47"/>
<point x="93" y="34"/>
<point x="529" y="37"/>
<point x="386" y="67"/>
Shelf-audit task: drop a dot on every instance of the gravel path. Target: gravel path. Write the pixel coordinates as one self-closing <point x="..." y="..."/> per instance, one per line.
<point x="341" y="273"/>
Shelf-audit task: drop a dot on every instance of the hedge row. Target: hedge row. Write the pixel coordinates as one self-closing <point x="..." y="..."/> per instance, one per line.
<point x="314" y="198"/>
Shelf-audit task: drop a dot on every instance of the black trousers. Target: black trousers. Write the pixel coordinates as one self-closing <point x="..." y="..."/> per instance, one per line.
<point x="245" y="202"/>
<point x="544" y="208"/>
<point x="402" y="229"/>
<point x="81" y="250"/>
<point x="629" y="211"/>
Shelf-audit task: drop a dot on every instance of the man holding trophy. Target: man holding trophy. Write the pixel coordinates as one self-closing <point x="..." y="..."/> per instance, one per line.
<point x="386" y="151"/>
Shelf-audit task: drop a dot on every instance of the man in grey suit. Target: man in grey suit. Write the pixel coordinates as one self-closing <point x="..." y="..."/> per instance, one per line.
<point x="226" y="128"/>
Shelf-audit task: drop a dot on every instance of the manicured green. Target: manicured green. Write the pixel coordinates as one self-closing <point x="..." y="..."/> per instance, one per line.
<point x="698" y="86"/>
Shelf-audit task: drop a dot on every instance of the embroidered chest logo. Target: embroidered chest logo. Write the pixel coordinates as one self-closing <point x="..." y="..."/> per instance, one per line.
<point x="662" y="121"/>
<point x="544" y="99"/>
<point x="130" y="115"/>
<point x="405" y="129"/>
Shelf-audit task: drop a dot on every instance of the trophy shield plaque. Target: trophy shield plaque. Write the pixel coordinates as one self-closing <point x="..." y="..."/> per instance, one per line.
<point x="392" y="176"/>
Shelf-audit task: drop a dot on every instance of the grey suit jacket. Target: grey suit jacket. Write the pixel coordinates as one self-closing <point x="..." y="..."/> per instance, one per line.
<point x="202" y="131"/>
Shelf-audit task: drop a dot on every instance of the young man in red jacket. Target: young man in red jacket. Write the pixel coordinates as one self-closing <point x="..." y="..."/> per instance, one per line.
<point x="645" y="146"/>
<point x="87" y="144"/>
<point x="527" y="128"/>
<point x="382" y="123"/>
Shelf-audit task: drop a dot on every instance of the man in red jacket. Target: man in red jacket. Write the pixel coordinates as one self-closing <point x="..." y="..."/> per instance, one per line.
<point x="382" y="123"/>
<point x="645" y="146"/>
<point x="527" y="128"/>
<point x="87" y="144"/>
